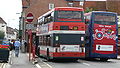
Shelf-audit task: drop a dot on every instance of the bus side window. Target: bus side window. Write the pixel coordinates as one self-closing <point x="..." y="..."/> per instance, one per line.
<point x="49" y="18"/>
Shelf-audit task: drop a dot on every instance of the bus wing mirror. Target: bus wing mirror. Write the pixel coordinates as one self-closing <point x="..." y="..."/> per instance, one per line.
<point x="86" y="21"/>
<point x="86" y="37"/>
<point x="51" y="18"/>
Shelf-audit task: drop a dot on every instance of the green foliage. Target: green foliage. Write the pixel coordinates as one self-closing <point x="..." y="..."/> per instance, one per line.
<point x="2" y="35"/>
<point x="89" y="10"/>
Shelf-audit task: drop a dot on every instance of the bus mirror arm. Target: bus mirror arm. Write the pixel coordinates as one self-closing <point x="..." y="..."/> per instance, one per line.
<point x="51" y="18"/>
<point x="86" y="21"/>
<point x="86" y="37"/>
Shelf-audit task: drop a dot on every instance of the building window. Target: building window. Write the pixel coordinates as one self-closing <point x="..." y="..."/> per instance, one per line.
<point x="3" y="25"/>
<point x="70" y="4"/>
<point x="51" y="6"/>
<point x="81" y="3"/>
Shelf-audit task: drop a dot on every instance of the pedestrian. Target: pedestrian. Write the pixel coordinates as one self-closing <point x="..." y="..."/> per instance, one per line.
<point x="23" y="45"/>
<point x="17" y="47"/>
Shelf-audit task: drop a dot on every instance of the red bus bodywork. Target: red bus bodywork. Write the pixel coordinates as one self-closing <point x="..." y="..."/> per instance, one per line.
<point x="62" y="37"/>
<point x="102" y="35"/>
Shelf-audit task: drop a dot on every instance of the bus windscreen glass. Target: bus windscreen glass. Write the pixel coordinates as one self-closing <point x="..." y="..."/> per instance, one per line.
<point x="70" y="14"/>
<point x="104" y="19"/>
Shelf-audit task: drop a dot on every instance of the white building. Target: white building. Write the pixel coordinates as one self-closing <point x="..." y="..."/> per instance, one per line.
<point x="10" y="33"/>
<point x="3" y="26"/>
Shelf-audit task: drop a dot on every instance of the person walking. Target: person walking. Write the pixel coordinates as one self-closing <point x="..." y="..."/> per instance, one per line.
<point x="17" y="47"/>
<point x="23" y="45"/>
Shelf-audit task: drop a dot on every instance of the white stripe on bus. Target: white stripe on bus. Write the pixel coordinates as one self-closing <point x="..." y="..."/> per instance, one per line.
<point x="63" y="32"/>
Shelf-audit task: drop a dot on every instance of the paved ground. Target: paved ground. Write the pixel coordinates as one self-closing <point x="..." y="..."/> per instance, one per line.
<point x="20" y="62"/>
<point x="23" y="62"/>
<point x="112" y="63"/>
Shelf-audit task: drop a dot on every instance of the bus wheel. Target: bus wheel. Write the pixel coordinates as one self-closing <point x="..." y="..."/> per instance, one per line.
<point x="5" y="61"/>
<point x="74" y="60"/>
<point x="38" y="52"/>
<point x="48" y="57"/>
<point x="103" y="59"/>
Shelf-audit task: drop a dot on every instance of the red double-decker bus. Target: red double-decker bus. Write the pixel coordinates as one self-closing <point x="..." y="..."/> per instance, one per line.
<point x="101" y="35"/>
<point x="61" y="33"/>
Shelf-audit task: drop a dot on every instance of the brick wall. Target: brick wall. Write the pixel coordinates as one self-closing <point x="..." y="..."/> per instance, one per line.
<point x="96" y="5"/>
<point x="113" y="6"/>
<point x="39" y="7"/>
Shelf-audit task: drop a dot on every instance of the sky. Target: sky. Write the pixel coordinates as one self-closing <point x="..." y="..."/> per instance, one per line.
<point x="10" y="11"/>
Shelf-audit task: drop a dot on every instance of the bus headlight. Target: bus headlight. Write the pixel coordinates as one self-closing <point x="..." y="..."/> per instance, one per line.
<point x="82" y="38"/>
<point x="82" y="45"/>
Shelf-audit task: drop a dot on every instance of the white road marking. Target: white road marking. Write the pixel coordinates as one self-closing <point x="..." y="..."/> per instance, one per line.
<point x="1" y="65"/>
<point x="48" y="65"/>
<point x="38" y="66"/>
<point x="43" y="62"/>
<point x="10" y="58"/>
<point x="86" y="64"/>
<point x="4" y="66"/>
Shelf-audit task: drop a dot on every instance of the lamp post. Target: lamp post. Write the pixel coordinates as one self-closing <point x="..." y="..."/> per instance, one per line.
<point x="20" y="30"/>
<point x="23" y="18"/>
<point x="84" y="4"/>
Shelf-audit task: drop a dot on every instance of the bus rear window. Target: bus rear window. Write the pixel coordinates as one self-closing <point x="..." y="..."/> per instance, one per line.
<point x="105" y="19"/>
<point x="70" y="14"/>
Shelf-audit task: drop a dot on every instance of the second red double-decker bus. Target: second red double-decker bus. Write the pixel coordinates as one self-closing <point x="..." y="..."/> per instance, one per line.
<point x="61" y="33"/>
<point x="101" y="35"/>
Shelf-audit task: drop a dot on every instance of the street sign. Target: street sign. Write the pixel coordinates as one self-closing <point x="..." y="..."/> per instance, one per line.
<point x="30" y="17"/>
<point x="29" y="26"/>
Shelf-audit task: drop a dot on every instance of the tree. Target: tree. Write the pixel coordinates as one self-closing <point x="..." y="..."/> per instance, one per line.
<point x="88" y="10"/>
<point x="2" y="35"/>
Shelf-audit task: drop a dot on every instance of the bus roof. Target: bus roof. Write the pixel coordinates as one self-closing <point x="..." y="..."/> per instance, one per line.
<point x="99" y="12"/>
<point x="103" y="12"/>
<point x="69" y="8"/>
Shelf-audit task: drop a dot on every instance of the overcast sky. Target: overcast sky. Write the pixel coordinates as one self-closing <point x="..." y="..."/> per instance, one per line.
<point x="9" y="10"/>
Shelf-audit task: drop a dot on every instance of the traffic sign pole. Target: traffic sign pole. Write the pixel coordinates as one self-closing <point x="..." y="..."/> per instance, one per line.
<point x="30" y="19"/>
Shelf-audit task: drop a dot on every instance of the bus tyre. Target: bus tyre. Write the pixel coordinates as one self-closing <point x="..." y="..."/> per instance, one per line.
<point x="38" y="52"/>
<point x="103" y="59"/>
<point x="48" y="57"/>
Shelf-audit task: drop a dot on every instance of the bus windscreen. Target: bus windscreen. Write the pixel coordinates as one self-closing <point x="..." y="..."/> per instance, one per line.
<point x="70" y="14"/>
<point x="104" y="19"/>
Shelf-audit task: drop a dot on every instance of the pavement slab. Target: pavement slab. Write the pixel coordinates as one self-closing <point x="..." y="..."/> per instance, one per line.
<point x="21" y="62"/>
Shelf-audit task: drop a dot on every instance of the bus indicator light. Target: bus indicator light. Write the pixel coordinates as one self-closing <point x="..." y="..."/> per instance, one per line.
<point x="75" y="28"/>
<point x="56" y="38"/>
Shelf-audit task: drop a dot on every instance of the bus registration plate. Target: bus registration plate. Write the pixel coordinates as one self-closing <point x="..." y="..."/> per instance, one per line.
<point x="69" y="48"/>
<point x="104" y="47"/>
